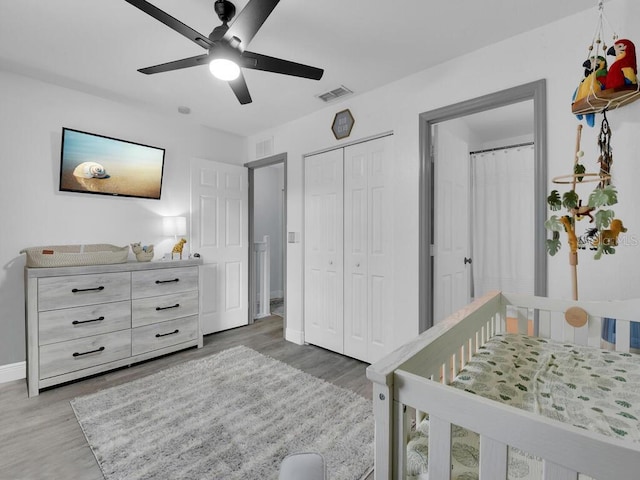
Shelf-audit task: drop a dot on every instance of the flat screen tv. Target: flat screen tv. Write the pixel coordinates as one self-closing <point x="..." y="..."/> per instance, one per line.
<point x="92" y="163"/>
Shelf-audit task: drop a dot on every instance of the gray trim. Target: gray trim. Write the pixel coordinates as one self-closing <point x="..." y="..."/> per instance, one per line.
<point x="535" y="91"/>
<point x="266" y="162"/>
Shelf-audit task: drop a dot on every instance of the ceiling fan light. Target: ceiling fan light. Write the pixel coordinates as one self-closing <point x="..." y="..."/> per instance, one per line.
<point x="224" y="69"/>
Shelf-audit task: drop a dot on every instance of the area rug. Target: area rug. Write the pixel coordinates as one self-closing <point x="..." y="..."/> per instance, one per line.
<point x="232" y="415"/>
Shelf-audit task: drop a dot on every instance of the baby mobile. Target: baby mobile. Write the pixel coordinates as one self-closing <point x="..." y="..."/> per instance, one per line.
<point x="602" y="88"/>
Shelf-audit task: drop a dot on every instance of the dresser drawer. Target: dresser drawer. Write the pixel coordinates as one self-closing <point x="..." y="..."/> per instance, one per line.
<point x="163" y="334"/>
<point x="65" y="357"/>
<point x="151" y="283"/>
<point x="78" y="322"/>
<point x="166" y="307"/>
<point x="77" y="290"/>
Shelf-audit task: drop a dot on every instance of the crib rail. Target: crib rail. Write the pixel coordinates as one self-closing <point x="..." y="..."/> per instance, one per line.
<point x="566" y="450"/>
<point x="413" y="376"/>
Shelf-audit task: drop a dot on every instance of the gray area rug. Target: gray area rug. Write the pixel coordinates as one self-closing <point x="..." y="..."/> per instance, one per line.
<point x="232" y="415"/>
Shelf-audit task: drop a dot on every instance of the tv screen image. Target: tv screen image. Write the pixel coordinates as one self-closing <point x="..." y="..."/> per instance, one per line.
<point x="92" y="163"/>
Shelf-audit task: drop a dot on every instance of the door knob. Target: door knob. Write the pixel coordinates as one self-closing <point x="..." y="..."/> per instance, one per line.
<point x="467" y="260"/>
<point x="357" y="264"/>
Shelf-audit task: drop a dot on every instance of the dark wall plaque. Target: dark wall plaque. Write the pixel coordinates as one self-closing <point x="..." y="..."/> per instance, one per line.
<point x="342" y="124"/>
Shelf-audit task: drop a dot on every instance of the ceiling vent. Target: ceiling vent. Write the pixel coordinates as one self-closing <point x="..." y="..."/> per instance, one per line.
<point x="341" y="91"/>
<point x="264" y="148"/>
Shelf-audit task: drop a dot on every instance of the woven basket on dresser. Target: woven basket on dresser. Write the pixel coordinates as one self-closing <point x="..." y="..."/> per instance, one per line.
<point x="75" y="255"/>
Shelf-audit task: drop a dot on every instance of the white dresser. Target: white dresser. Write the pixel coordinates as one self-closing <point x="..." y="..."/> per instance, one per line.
<point x="86" y="320"/>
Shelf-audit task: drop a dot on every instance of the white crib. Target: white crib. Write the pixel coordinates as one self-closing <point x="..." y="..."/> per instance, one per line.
<point x="415" y="377"/>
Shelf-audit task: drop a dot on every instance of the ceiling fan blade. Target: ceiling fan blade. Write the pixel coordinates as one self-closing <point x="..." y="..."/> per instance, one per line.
<point x="249" y="21"/>
<point x="239" y="87"/>
<point x="177" y="64"/>
<point x="257" y="61"/>
<point x="172" y="22"/>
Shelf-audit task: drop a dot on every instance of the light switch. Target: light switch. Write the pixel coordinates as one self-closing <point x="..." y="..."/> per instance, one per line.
<point x="293" y="237"/>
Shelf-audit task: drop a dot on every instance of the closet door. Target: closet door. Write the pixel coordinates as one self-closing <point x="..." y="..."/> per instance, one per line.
<point x="367" y="250"/>
<point x="323" y="277"/>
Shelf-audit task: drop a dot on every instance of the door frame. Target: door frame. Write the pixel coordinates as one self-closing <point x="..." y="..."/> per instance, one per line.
<point x="535" y="91"/>
<point x="252" y="166"/>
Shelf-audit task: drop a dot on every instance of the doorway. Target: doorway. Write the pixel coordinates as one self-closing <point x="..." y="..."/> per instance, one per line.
<point x="534" y="92"/>
<point x="267" y="245"/>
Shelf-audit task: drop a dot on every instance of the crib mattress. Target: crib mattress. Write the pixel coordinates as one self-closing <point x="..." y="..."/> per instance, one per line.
<point x="598" y="390"/>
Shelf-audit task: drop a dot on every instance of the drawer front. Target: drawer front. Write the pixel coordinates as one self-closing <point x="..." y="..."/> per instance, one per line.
<point x="65" y="357"/>
<point x="151" y="283"/>
<point x="78" y="290"/>
<point x="71" y="323"/>
<point x="145" y="311"/>
<point x="164" y="334"/>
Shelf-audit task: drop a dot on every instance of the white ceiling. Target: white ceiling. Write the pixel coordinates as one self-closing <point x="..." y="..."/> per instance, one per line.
<point x="504" y="123"/>
<point x="96" y="46"/>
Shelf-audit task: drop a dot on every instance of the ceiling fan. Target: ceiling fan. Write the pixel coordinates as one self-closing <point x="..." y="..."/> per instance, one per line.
<point x="226" y="45"/>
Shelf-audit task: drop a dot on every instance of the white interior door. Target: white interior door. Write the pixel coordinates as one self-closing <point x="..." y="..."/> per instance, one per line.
<point x="219" y="232"/>
<point x="367" y="250"/>
<point x="451" y="282"/>
<point x="323" y="271"/>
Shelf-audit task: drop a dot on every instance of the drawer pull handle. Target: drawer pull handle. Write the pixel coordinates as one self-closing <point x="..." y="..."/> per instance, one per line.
<point x="96" y="289"/>
<point x="167" y="308"/>
<point x="158" y="335"/>
<point x="175" y="280"/>
<point x="78" y="322"/>
<point x="76" y="354"/>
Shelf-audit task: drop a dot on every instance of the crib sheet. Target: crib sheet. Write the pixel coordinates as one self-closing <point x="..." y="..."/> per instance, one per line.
<point x="595" y="389"/>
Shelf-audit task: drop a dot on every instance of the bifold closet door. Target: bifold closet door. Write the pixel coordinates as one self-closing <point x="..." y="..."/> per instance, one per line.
<point x="323" y="241"/>
<point x="367" y="249"/>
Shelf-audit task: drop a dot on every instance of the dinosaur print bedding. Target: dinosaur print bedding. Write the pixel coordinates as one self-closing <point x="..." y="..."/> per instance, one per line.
<point x="595" y="389"/>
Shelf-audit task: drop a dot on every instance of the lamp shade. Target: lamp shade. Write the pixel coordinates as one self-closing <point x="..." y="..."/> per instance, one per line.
<point x="173" y="226"/>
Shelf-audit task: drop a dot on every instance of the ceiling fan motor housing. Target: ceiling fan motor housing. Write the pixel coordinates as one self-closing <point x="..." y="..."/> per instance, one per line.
<point x="225" y="10"/>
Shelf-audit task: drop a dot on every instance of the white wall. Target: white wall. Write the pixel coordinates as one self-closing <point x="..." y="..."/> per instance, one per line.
<point x="33" y="212"/>
<point x="554" y="52"/>
<point x="268" y="219"/>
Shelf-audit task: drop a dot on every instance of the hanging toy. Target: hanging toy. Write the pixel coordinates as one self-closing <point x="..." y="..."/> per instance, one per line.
<point x="601" y="235"/>
<point x="624" y="69"/>
<point x="606" y="88"/>
<point x="594" y="81"/>
<point x="606" y="155"/>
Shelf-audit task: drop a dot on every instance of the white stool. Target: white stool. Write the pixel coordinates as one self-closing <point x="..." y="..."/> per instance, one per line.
<point x="303" y="466"/>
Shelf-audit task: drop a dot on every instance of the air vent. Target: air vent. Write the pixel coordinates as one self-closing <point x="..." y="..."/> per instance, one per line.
<point x="264" y="148"/>
<point x="341" y="91"/>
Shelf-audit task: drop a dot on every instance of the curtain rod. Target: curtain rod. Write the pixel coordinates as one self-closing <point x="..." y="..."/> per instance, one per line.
<point x="526" y="144"/>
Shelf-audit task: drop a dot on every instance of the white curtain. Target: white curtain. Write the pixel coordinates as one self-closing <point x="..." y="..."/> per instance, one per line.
<point x="502" y="222"/>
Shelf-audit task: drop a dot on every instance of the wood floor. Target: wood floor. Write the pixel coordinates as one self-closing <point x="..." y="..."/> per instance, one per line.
<point x="41" y="439"/>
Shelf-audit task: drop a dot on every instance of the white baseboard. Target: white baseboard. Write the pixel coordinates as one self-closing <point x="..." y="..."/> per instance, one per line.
<point x="277" y="294"/>
<point x="295" y="336"/>
<point x="13" y="371"/>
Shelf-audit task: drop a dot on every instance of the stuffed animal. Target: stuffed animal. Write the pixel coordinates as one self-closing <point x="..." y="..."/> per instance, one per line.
<point x="595" y="75"/>
<point x="588" y="239"/>
<point x="571" y="234"/>
<point x="142" y="253"/>
<point x="582" y="211"/>
<point x="609" y="237"/>
<point x="177" y="248"/>
<point x="623" y="71"/>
